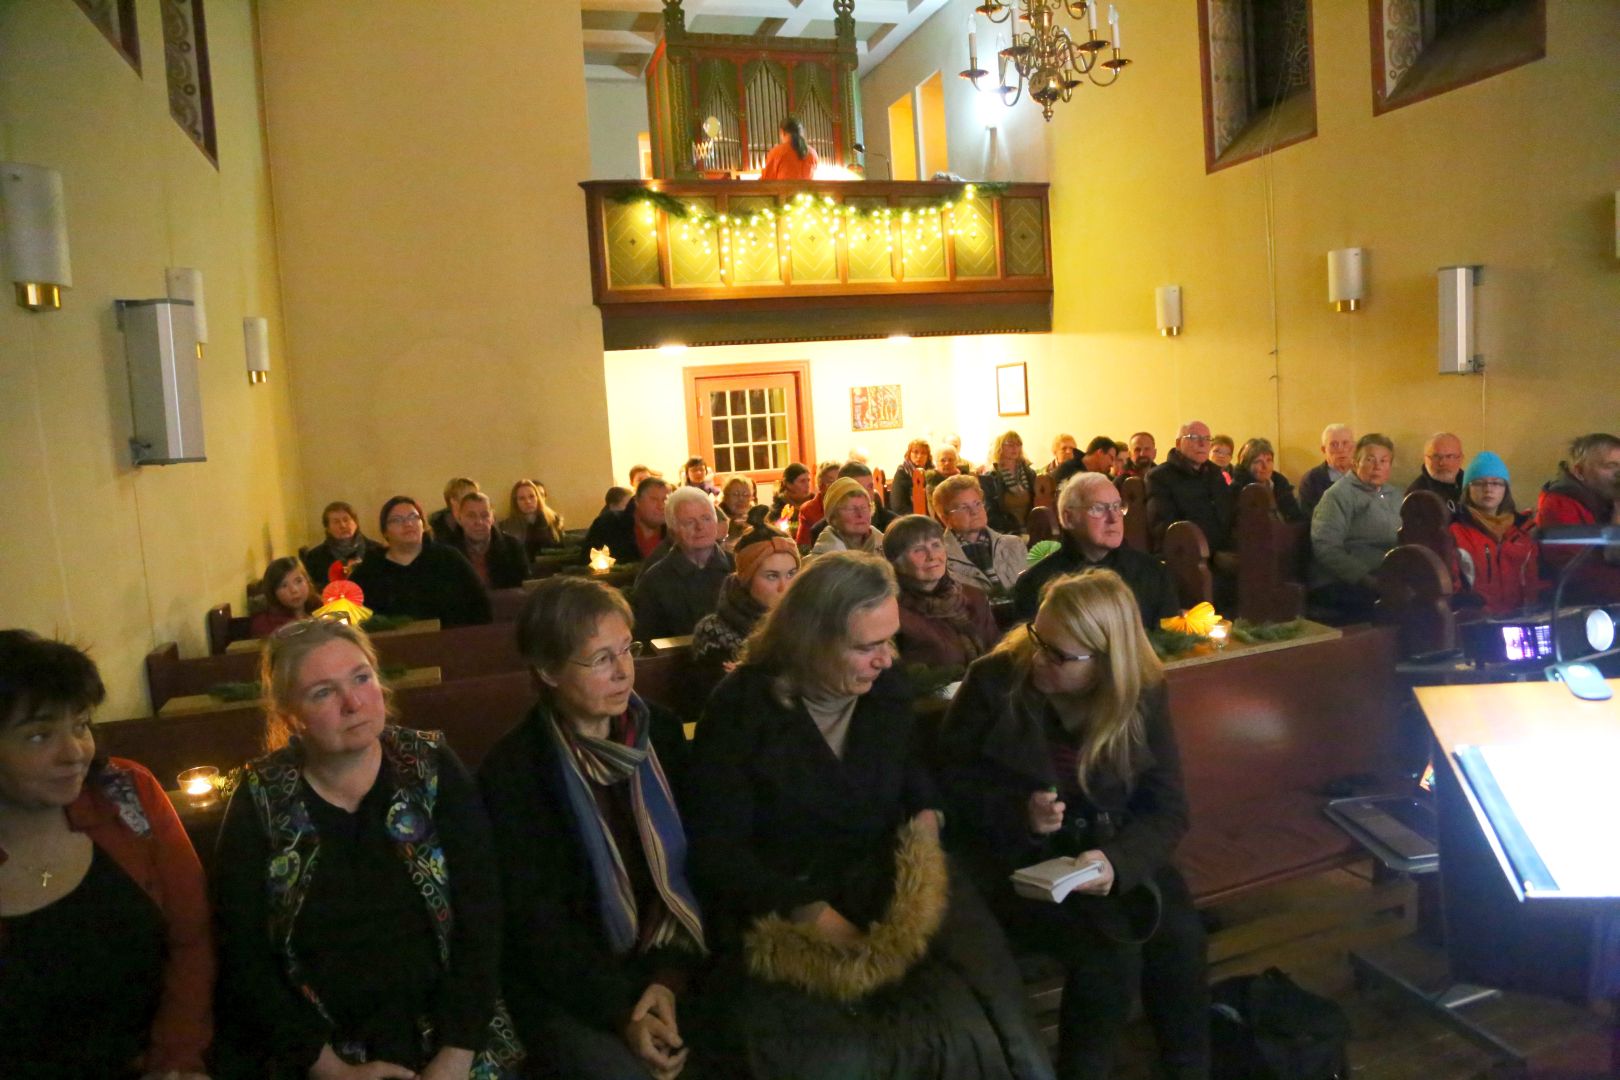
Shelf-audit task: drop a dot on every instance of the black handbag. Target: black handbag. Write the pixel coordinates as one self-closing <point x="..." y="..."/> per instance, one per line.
<point x="1268" y="1027"/>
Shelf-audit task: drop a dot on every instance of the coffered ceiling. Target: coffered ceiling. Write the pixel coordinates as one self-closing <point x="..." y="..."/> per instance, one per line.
<point x="620" y="34"/>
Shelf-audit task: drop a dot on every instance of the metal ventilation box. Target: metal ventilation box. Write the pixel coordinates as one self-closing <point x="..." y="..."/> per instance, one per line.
<point x="160" y="344"/>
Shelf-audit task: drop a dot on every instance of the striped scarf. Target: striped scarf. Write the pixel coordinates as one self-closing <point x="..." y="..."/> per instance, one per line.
<point x="582" y="761"/>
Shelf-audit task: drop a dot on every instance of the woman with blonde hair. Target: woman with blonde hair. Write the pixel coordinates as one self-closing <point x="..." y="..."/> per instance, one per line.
<point x="532" y="521"/>
<point x="737" y="498"/>
<point x="908" y="488"/>
<point x="1008" y="481"/>
<point x="356" y="886"/>
<point x="1059" y="744"/>
<point x="846" y="946"/>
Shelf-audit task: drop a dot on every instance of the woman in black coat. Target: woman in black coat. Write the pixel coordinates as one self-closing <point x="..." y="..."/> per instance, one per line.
<point x="1059" y="744"/>
<point x="603" y="934"/>
<point x="815" y="852"/>
<point x="1257" y="464"/>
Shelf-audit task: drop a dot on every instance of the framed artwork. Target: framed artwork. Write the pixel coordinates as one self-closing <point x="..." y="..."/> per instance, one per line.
<point x="874" y="408"/>
<point x="1012" y="390"/>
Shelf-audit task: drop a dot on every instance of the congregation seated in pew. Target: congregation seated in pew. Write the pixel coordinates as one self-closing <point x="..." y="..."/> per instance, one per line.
<point x="418" y="579"/>
<point x="1586" y="491"/>
<point x="1008" y="483"/>
<point x="1442" y="469"/>
<point x="908" y="487"/>
<point x="1338" y="456"/>
<point x="1497" y="563"/>
<point x="850" y="524"/>
<point x="1191" y="487"/>
<point x="814" y="511"/>
<point x="1092" y="517"/>
<point x="634" y="532"/>
<point x="943" y="623"/>
<point x="880" y="515"/>
<point x="442" y="526"/>
<point x="737" y="498"/>
<point x="766" y="562"/>
<point x="341" y="542"/>
<point x="355" y="884"/>
<point x="683" y="584"/>
<point x="1353" y="527"/>
<point x="1257" y="464"/>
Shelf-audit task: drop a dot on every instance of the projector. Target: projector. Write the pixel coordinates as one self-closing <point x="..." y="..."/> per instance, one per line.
<point x="1529" y="638"/>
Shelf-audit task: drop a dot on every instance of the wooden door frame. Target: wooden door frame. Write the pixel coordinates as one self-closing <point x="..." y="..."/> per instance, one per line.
<point x="798" y="369"/>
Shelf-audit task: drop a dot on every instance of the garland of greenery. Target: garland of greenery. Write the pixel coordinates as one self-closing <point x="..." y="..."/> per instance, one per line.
<point x="379" y="624"/>
<point x="806" y="206"/>
<point x="926" y="679"/>
<point x="1174" y="644"/>
<point x="1253" y="633"/>
<point x="249" y="691"/>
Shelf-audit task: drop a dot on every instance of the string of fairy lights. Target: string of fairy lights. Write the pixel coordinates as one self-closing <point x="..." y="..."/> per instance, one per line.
<point x="806" y="215"/>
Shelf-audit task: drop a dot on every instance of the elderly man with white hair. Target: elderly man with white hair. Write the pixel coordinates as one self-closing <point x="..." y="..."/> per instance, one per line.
<point x="1338" y="450"/>
<point x="672" y="594"/>
<point x="1092" y="516"/>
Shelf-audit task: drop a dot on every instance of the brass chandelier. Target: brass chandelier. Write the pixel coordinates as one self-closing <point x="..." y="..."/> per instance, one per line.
<point x="1045" y="57"/>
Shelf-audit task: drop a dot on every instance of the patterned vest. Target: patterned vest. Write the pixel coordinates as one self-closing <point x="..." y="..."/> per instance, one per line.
<point x="295" y="848"/>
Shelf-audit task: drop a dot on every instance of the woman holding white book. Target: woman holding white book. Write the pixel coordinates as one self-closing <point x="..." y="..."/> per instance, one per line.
<point x="1059" y="744"/>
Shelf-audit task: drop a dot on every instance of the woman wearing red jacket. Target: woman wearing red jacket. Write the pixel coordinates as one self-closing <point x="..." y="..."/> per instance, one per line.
<point x="1498" y="559"/>
<point x="106" y="951"/>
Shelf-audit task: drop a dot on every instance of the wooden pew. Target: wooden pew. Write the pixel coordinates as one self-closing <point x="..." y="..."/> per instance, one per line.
<point x="1415" y="595"/>
<point x="224" y="628"/>
<point x="507" y="604"/>
<point x="1045" y="491"/>
<point x="1426" y="522"/>
<point x="1186" y="556"/>
<point x="462" y="652"/>
<point x="1133" y="493"/>
<point x="1041" y="524"/>
<point x="1271" y="556"/>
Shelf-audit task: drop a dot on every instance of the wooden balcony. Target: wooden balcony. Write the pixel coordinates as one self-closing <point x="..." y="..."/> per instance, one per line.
<point x="731" y="261"/>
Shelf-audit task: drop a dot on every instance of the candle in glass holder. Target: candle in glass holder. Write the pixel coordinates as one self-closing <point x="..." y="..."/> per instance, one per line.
<point x="198" y="785"/>
<point x="1218" y="635"/>
<point x="601" y="560"/>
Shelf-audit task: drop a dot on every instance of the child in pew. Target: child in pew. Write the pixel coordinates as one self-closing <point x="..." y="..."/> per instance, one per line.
<point x="288" y="596"/>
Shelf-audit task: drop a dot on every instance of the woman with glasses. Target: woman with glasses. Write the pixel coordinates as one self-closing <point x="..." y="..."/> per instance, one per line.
<point x="603" y="934"/>
<point x="106" y="952"/>
<point x="1059" y="744"/>
<point x="417" y="579"/>
<point x="1498" y="560"/>
<point x="1008" y="481"/>
<point x="846" y="947"/>
<point x="975" y="554"/>
<point x="943" y="623"/>
<point x="358" y="901"/>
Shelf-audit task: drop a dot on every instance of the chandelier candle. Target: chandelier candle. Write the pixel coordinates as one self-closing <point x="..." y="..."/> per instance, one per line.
<point x="1048" y="60"/>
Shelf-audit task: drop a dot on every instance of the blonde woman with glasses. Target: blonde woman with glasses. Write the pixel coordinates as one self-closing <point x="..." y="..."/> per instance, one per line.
<point x="356" y="888"/>
<point x="1059" y="744"/>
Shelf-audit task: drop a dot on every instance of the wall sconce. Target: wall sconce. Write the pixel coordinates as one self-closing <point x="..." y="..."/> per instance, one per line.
<point x="1167" y="309"/>
<point x="1458" y="317"/>
<point x="185" y="283"/>
<point x="35" y="223"/>
<point x="1347" y="288"/>
<point x="256" y="332"/>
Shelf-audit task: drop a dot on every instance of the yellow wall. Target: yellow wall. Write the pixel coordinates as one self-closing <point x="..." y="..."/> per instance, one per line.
<point x="1517" y="172"/>
<point x="931" y="96"/>
<point x="117" y="558"/>
<point x="902" y="129"/>
<point x="946" y="384"/>
<point x="432" y="239"/>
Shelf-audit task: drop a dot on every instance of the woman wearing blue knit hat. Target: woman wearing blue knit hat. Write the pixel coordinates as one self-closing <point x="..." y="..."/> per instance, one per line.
<point x="1498" y="560"/>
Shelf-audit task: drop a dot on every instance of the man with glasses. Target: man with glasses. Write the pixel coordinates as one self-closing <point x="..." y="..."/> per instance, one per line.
<point x="1189" y="487"/>
<point x="672" y="594"/>
<point x="1093" y="521"/>
<point x="976" y="554"/>
<point x="1442" y="471"/>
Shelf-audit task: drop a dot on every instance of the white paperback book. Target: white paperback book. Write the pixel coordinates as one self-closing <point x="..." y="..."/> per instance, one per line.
<point x="1054" y="879"/>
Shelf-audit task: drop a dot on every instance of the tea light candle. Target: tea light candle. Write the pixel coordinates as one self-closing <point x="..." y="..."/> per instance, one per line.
<point x="601" y="560"/>
<point x="197" y="785"/>
<point x="1218" y="636"/>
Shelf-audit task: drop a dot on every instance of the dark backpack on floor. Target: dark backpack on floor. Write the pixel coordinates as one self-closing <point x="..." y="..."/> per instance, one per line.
<point x="1266" y="1027"/>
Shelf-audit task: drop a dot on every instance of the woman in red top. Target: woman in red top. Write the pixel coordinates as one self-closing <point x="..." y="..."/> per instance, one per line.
<point x="791" y="158"/>
<point x="106" y="951"/>
<point x="1498" y="560"/>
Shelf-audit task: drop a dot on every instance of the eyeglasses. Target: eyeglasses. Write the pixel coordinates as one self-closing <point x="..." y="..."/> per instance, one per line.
<point x="603" y="662"/>
<point x="1101" y="511"/>
<point x="1199" y="439"/>
<point x="1056" y="657"/>
<point x="965" y="508"/>
<point x="1489" y="483"/>
<point x="412" y="518"/>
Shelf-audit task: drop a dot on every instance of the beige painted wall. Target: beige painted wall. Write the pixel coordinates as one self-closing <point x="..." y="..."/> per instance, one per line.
<point x="617" y="112"/>
<point x="1517" y="172"/>
<point x="117" y="558"/>
<point x="946" y="384"/>
<point x="432" y="237"/>
<point x="1013" y="150"/>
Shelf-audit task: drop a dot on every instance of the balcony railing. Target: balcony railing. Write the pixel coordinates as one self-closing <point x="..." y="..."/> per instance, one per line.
<point x="726" y="261"/>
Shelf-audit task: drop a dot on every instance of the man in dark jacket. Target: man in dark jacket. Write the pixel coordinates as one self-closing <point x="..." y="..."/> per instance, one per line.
<point x="1442" y="468"/>
<point x="672" y="594"/>
<point x="497" y="557"/>
<point x="443" y="525"/>
<point x="1188" y="487"/>
<point x="635" y="532"/>
<point x="1093" y="520"/>
<point x="1338" y="452"/>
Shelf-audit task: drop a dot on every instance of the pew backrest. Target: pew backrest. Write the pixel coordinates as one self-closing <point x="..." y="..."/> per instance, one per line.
<point x="1426" y="522"/>
<point x="1133" y="493"/>
<point x="1186" y="556"/>
<point x="1041" y="524"/>
<point x="1414" y="594"/>
<point x="1271" y="556"/>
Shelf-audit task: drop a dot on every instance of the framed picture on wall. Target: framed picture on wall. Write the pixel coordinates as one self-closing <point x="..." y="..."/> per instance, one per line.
<point x="874" y="408"/>
<point x="1012" y="390"/>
